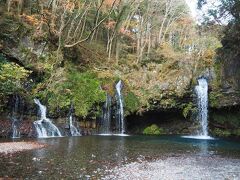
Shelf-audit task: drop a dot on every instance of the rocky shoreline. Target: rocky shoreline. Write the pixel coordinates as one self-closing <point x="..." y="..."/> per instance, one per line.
<point x="13" y="147"/>
<point x="187" y="168"/>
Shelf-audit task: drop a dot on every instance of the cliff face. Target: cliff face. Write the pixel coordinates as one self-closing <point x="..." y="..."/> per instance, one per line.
<point x="231" y="73"/>
<point x="163" y="82"/>
<point x="17" y="42"/>
<point x="226" y="90"/>
<point x="229" y="55"/>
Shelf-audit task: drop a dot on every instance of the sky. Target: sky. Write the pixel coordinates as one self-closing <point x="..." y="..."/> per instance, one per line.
<point x="198" y="14"/>
<point x="193" y="6"/>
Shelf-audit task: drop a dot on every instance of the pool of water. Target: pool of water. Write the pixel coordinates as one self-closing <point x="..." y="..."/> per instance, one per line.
<point x="91" y="156"/>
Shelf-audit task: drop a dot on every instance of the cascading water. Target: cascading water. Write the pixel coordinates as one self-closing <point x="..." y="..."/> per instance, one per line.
<point x="120" y="113"/>
<point x="15" y="131"/>
<point x="44" y="127"/>
<point x="106" y="117"/>
<point x="202" y="99"/>
<point x="15" y="118"/>
<point x="202" y="102"/>
<point x="73" y="130"/>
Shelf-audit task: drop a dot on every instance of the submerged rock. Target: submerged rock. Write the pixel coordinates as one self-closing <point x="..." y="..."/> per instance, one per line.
<point x="187" y="168"/>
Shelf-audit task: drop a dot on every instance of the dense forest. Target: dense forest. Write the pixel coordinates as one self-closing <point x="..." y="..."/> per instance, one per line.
<point x="68" y="52"/>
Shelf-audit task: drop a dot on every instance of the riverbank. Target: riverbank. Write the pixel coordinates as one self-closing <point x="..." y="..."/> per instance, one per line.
<point x="182" y="167"/>
<point x="13" y="147"/>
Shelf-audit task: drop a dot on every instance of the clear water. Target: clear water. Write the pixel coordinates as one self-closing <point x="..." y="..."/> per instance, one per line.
<point x="89" y="157"/>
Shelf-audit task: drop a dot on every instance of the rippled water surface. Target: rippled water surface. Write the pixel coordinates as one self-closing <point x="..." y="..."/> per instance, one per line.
<point x="92" y="156"/>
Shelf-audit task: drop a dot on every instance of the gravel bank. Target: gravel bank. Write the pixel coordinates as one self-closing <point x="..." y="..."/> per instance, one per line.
<point x="187" y="168"/>
<point x="13" y="147"/>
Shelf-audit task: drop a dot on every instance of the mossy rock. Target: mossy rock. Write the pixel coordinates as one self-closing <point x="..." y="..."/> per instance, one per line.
<point x="219" y="99"/>
<point x="132" y="103"/>
<point x="215" y="98"/>
<point x="189" y="109"/>
<point x="231" y="119"/>
<point x="153" y="130"/>
<point x="221" y="133"/>
<point x="236" y="132"/>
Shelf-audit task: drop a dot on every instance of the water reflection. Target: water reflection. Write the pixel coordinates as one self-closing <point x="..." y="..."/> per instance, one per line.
<point x="120" y="150"/>
<point x="76" y="157"/>
<point x="203" y="145"/>
<point x="70" y="145"/>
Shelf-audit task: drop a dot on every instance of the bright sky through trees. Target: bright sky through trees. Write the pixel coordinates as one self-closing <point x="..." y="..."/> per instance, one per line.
<point x="199" y="15"/>
<point x="193" y="7"/>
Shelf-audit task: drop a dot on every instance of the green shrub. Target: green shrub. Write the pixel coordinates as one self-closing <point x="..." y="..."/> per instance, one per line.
<point x="188" y="109"/>
<point x="221" y="133"/>
<point x="81" y="89"/>
<point x="153" y="130"/>
<point x="215" y="98"/>
<point x="132" y="102"/>
<point x="12" y="77"/>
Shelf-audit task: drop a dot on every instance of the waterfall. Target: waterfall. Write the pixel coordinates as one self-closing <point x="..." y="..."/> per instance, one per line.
<point x="73" y="130"/>
<point x="106" y="116"/>
<point x="202" y="100"/>
<point x="15" y="118"/>
<point x="15" y="131"/>
<point x="44" y="127"/>
<point x="120" y="114"/>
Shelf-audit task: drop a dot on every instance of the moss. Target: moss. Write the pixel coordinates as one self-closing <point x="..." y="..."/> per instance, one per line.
<point x="108" y="83"/>
<point x="12" y="77"/>
<point x="229" y="121"/>
<point x="221" y="133"/>
<point x="153" y="130"/>
<point x="236" y="132"/>
<point x="81" y="89"/>
<point x="168" y="103"/>
<point x="215" y="98"/>
<point x="132" y="102"/>
<point x="188" y="109"/>
<point x="217" y="81"/>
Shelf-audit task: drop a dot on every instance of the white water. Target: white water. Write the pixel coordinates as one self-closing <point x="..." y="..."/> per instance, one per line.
<point x="15" y="118"/>
<point x="15" y="131"/>
<point x="122" y="135"/>
<point x="44" y="127"/>
<point x="202" y="101"/>
<point x="73" y="130"/>
<point x="120" y="113"/>
<point x="106" y="117"/>
<point x="202" y="98"/>
<point x="199" y="137"/>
